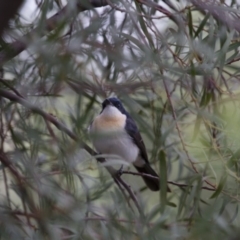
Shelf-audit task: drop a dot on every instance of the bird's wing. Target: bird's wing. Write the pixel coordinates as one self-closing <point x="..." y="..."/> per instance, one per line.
<point x="133" y="131"/>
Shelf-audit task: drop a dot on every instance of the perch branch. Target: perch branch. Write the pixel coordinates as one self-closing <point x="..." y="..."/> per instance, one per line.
<point x="170" y="182"/>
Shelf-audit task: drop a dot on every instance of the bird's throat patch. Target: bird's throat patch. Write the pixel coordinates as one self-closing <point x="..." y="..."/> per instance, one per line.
<point x="106" y="124"/>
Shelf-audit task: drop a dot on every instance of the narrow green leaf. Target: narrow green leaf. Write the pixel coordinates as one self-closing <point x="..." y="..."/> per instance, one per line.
<point x="235" y="157"/>
<point x="163" y="179"/>
<point x="220" y="187"/>
<point x="223" y="52"/>
<point x="171" y="204"/>
<point x="194" y="71"/>
<point x="143" y="25"/>
<point x="234" y="46"/>
<point x="206" y="97"/>
<point x="183" y="199"/>
<point x="235" y="215"/>
<point x="134" y="40"/>
<point x="197" y="126"/>
<point x="235" y="55"/>
<point x="201" y="26"/>
<point x="190" y="25"/>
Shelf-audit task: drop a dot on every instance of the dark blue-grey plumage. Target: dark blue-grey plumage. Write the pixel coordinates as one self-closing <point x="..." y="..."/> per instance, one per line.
<point x="116" y="103"/>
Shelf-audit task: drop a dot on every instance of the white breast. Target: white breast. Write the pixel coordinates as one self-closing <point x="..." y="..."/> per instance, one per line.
<point x="117" y="143"/>
<point x="110" y="136"/>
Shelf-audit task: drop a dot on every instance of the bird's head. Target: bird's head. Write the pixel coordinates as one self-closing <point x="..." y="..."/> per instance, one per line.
<point x="112" y="107"/>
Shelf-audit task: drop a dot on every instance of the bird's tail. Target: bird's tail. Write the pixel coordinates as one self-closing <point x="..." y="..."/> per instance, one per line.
<point x="152" y="183"/>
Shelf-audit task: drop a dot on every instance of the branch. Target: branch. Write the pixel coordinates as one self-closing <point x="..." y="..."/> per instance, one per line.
<point x="16" y="47"/>
<point x="93" y="218"/>
<point x="50" y="118"/>
<point x="170" y="182"/>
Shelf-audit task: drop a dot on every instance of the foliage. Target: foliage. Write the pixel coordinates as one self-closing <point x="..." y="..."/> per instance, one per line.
<point x="174" y="65"/>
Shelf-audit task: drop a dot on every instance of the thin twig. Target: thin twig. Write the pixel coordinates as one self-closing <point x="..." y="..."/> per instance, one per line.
<point x="98" y="218"/>
<point x="122" y="190"/>
<point x="233" y="60"/>
<point x="170" y="182"/>
<point x="131" y="194"/>
<point x="186" y="185"/>
<point x="5" y="82"/>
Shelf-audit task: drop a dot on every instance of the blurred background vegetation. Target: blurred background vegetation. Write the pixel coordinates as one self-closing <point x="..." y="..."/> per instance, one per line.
<point x="175" y="66"/>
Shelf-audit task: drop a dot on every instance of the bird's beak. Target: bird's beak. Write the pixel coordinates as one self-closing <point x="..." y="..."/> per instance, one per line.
<point x="108" y="102"/>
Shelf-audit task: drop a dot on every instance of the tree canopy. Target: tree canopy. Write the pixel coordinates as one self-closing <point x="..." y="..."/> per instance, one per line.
<point x="174" y="65"/>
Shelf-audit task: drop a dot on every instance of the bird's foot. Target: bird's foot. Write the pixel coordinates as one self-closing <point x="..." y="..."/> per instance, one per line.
<point x="120" y="171"/>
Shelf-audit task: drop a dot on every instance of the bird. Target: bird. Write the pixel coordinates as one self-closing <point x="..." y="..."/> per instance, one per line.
<point x="116" y="133"/>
